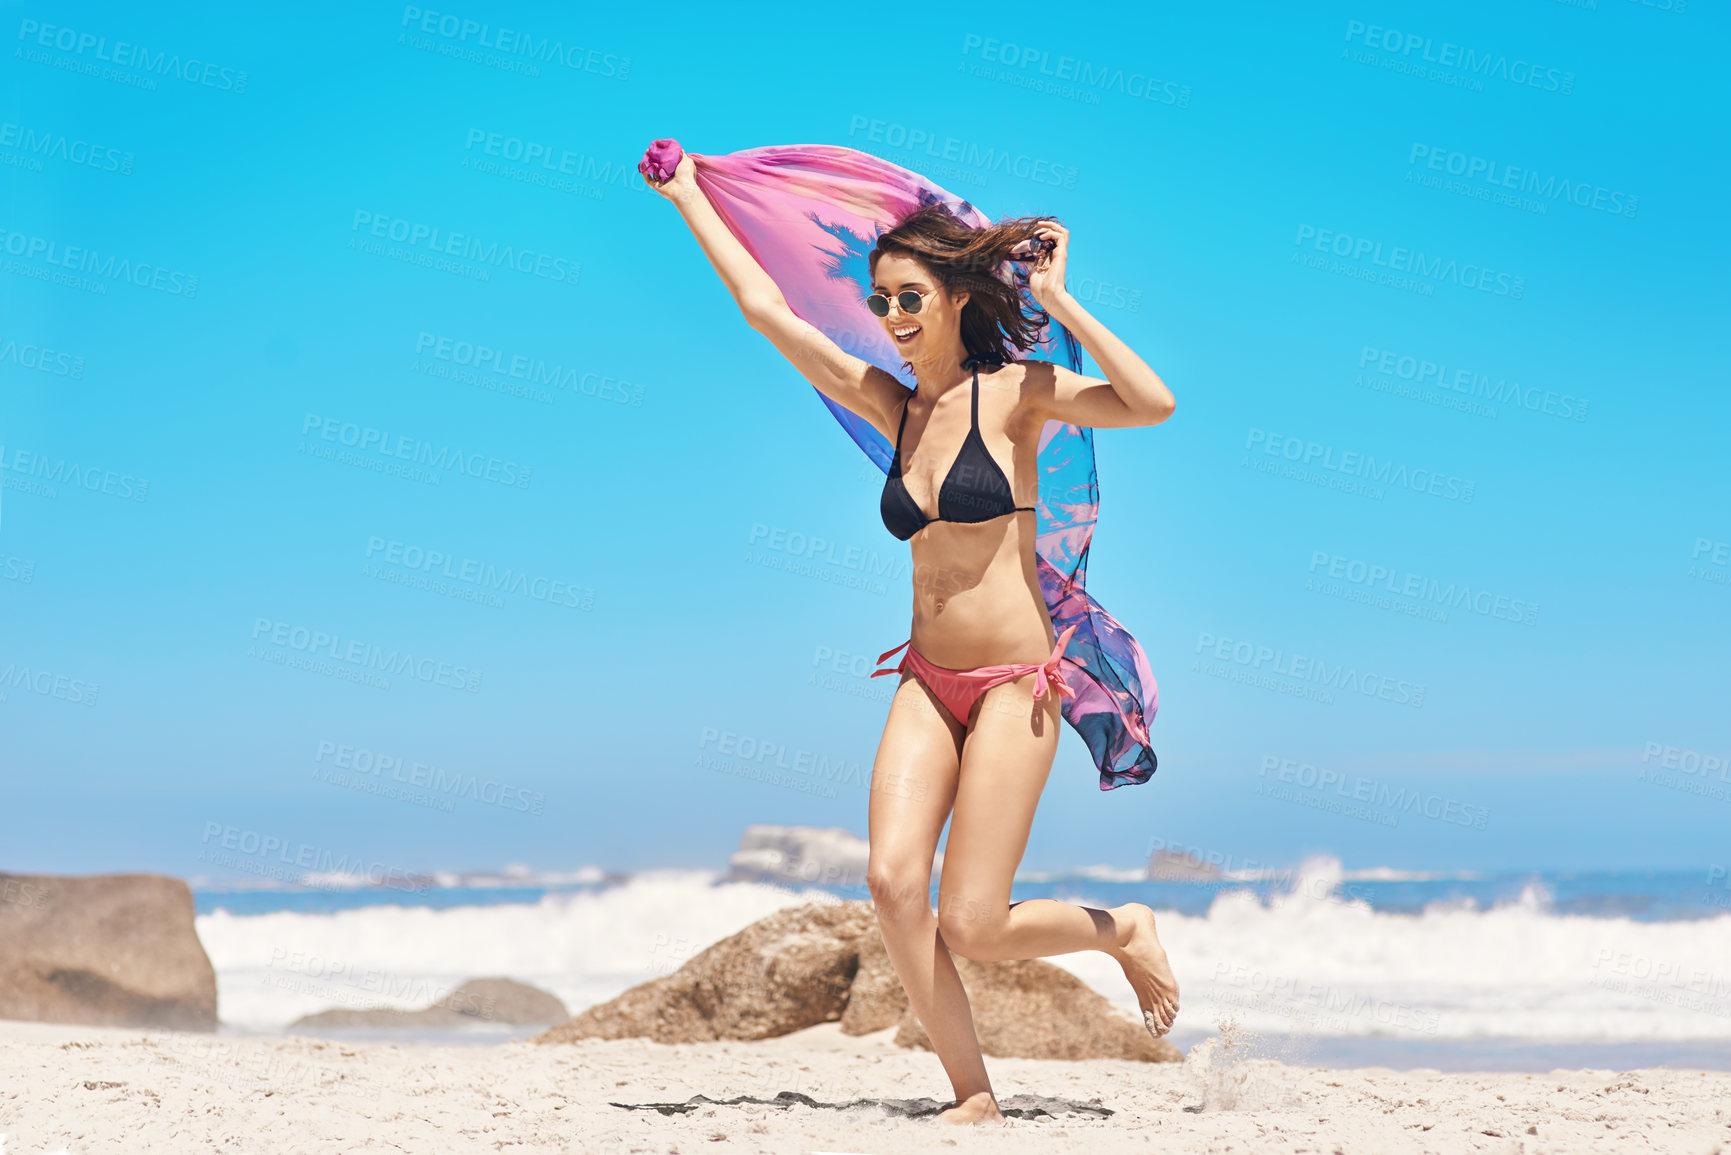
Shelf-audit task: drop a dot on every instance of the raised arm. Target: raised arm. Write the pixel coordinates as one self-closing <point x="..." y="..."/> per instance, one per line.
<point x="847" y="380"/>
<point x="1131" y="394"/>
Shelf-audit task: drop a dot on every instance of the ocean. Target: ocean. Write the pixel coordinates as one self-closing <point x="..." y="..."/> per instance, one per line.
<point x="1316" y="964"/>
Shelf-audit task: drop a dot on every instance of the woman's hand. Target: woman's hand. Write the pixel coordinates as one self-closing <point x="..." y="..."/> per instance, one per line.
<point x="1046" y="277"/>
<point x="681" y="184"/>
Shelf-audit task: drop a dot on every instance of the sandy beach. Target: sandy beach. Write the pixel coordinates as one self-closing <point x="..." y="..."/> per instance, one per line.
<point x="83" y="1090"/>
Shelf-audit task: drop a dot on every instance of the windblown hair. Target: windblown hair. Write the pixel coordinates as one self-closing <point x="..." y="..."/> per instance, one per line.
<point x="1001" y="319"/>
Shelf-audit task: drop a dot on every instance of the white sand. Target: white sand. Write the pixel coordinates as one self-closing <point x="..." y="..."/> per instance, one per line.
<point x="89" y="1090"/>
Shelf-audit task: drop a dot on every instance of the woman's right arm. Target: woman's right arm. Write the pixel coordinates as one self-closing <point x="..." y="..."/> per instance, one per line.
<point x="849" y="381"/>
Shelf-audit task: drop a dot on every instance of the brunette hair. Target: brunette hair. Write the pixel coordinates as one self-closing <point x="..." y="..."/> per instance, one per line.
<point x="1001" y="318"/>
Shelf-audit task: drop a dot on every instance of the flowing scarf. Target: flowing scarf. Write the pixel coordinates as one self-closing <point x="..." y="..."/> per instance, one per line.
<point x="810" y="214"/>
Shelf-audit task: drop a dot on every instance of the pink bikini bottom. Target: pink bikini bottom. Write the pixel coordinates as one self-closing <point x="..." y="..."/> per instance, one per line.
<point x="958" y="690"/>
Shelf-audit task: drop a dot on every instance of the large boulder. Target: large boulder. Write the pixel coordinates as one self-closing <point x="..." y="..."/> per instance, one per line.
<point x="504" y="1001"/>
<point x="781" y="974"/>
<point x="1177" y="866"/>
<point x="826" y="961"/>
<point x="815" y="856"/>
<point x="810" y="855"/>
<point x="117" y="950"/>
<point x="1031" y="1009"/>
<point x="382" y="1018"/>
<point x="876" y="1000"/>
<point x="476" y="1001"/>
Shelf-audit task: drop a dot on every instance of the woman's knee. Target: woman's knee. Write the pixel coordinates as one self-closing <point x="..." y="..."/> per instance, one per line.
<point x="898" y="886"/>
<point x="971" y="927"/>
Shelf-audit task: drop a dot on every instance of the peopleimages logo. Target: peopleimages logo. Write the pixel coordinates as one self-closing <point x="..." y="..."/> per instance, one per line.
<point x="554" y="159"/>
<point x="1688" y="761"/>
<point x="524" y="367"/>
<point x="361" y="657"/>
<point x="1358" y="788"/>
<point x="511" y="42"/>
<point x="40" y="358"/>
<point x="32" y="465"/>
<point x="1459" y="58"/>
<point x="481" y="575"/>
<point x="445" y="785"/>
<point x="14" y="676"/>
<point x="1499" y="176"/>
<point x="1716" y="554"/>
<point x="364" y="439"/>
<point x="124" y="55"/>
<point x="94" y="263"/>
<point x="1404" y="583"/>
<point x="434" y="240"/>
<point x="1088" y="75"/>
<point x="1351" y="463"/>
<point x="1414" y="261"/>
<point x="254" y="844"/>
<point x="1303" y="668"/>
<point x="964" y="152"/>
<point x="1469" y="382"/>
<point x="58" y="146"/>
<point x="748" y="756"/>
<point x="808" y="553"/>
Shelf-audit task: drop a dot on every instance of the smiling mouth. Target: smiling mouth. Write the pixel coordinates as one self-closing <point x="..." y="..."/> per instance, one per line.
<point x="905" y="333"/>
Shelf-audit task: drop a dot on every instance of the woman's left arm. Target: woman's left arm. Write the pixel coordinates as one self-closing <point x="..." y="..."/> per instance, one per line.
<point x="1132" y="393"/>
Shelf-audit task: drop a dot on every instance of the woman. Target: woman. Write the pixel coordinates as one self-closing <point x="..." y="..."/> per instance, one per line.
<point x="973" y="726"/>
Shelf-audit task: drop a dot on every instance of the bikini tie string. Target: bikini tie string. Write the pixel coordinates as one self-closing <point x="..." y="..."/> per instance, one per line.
<point x="1050" y="674"/>
<point x="897" y="668"/>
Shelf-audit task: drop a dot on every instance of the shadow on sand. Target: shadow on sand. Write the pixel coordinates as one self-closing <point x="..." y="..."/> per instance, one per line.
<point x="1015" y="1107"/>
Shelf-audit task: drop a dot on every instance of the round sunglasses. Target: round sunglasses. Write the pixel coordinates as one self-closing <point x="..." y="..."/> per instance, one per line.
<point x="910" y="302"/>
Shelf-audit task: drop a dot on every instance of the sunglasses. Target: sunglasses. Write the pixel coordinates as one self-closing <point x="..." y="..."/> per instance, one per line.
<point x="910" y="302"/>
<point x="1032" y="250"/>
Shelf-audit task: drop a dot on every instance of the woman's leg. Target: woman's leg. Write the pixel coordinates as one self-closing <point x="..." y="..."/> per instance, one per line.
<point x="913" y="786"/>
<point x="1006" y="758"/>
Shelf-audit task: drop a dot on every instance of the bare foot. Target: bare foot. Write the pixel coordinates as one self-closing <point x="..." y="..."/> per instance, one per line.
<point x="1144" y="961"/>
<point x="978" y="1108"/>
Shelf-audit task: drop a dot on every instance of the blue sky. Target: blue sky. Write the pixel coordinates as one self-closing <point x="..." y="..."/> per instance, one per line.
<point x="1481" y="245"/>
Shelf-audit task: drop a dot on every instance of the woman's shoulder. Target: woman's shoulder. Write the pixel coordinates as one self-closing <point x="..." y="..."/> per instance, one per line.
<point x="1027" y="381"/>
<point x="1026" y="363"/>
<point x="1026" y="371"/>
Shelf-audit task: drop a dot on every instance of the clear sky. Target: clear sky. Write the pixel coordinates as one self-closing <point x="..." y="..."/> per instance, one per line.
<point x="1440" y="291"/>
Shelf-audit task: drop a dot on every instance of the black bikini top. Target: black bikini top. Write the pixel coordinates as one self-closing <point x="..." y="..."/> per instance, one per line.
<point x="976" y="489"/>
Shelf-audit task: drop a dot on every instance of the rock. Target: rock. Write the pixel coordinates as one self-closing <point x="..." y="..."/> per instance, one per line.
<point x="828" y="856"/>
<point x="876" y="999"/>
<point x="478" y="1000"/>
<point x="117" y="950"/>
<point x="1172" y="866"/>
<point x="386" y="1018"/>
<point x="504" y="1001"/>
<point x="781" y="974"/>
<point x="826" y="961"/>
<point x="1032" y="1009"/>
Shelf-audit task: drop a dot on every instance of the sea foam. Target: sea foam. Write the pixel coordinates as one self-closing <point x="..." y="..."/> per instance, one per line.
<point x="1307" y="961"/>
